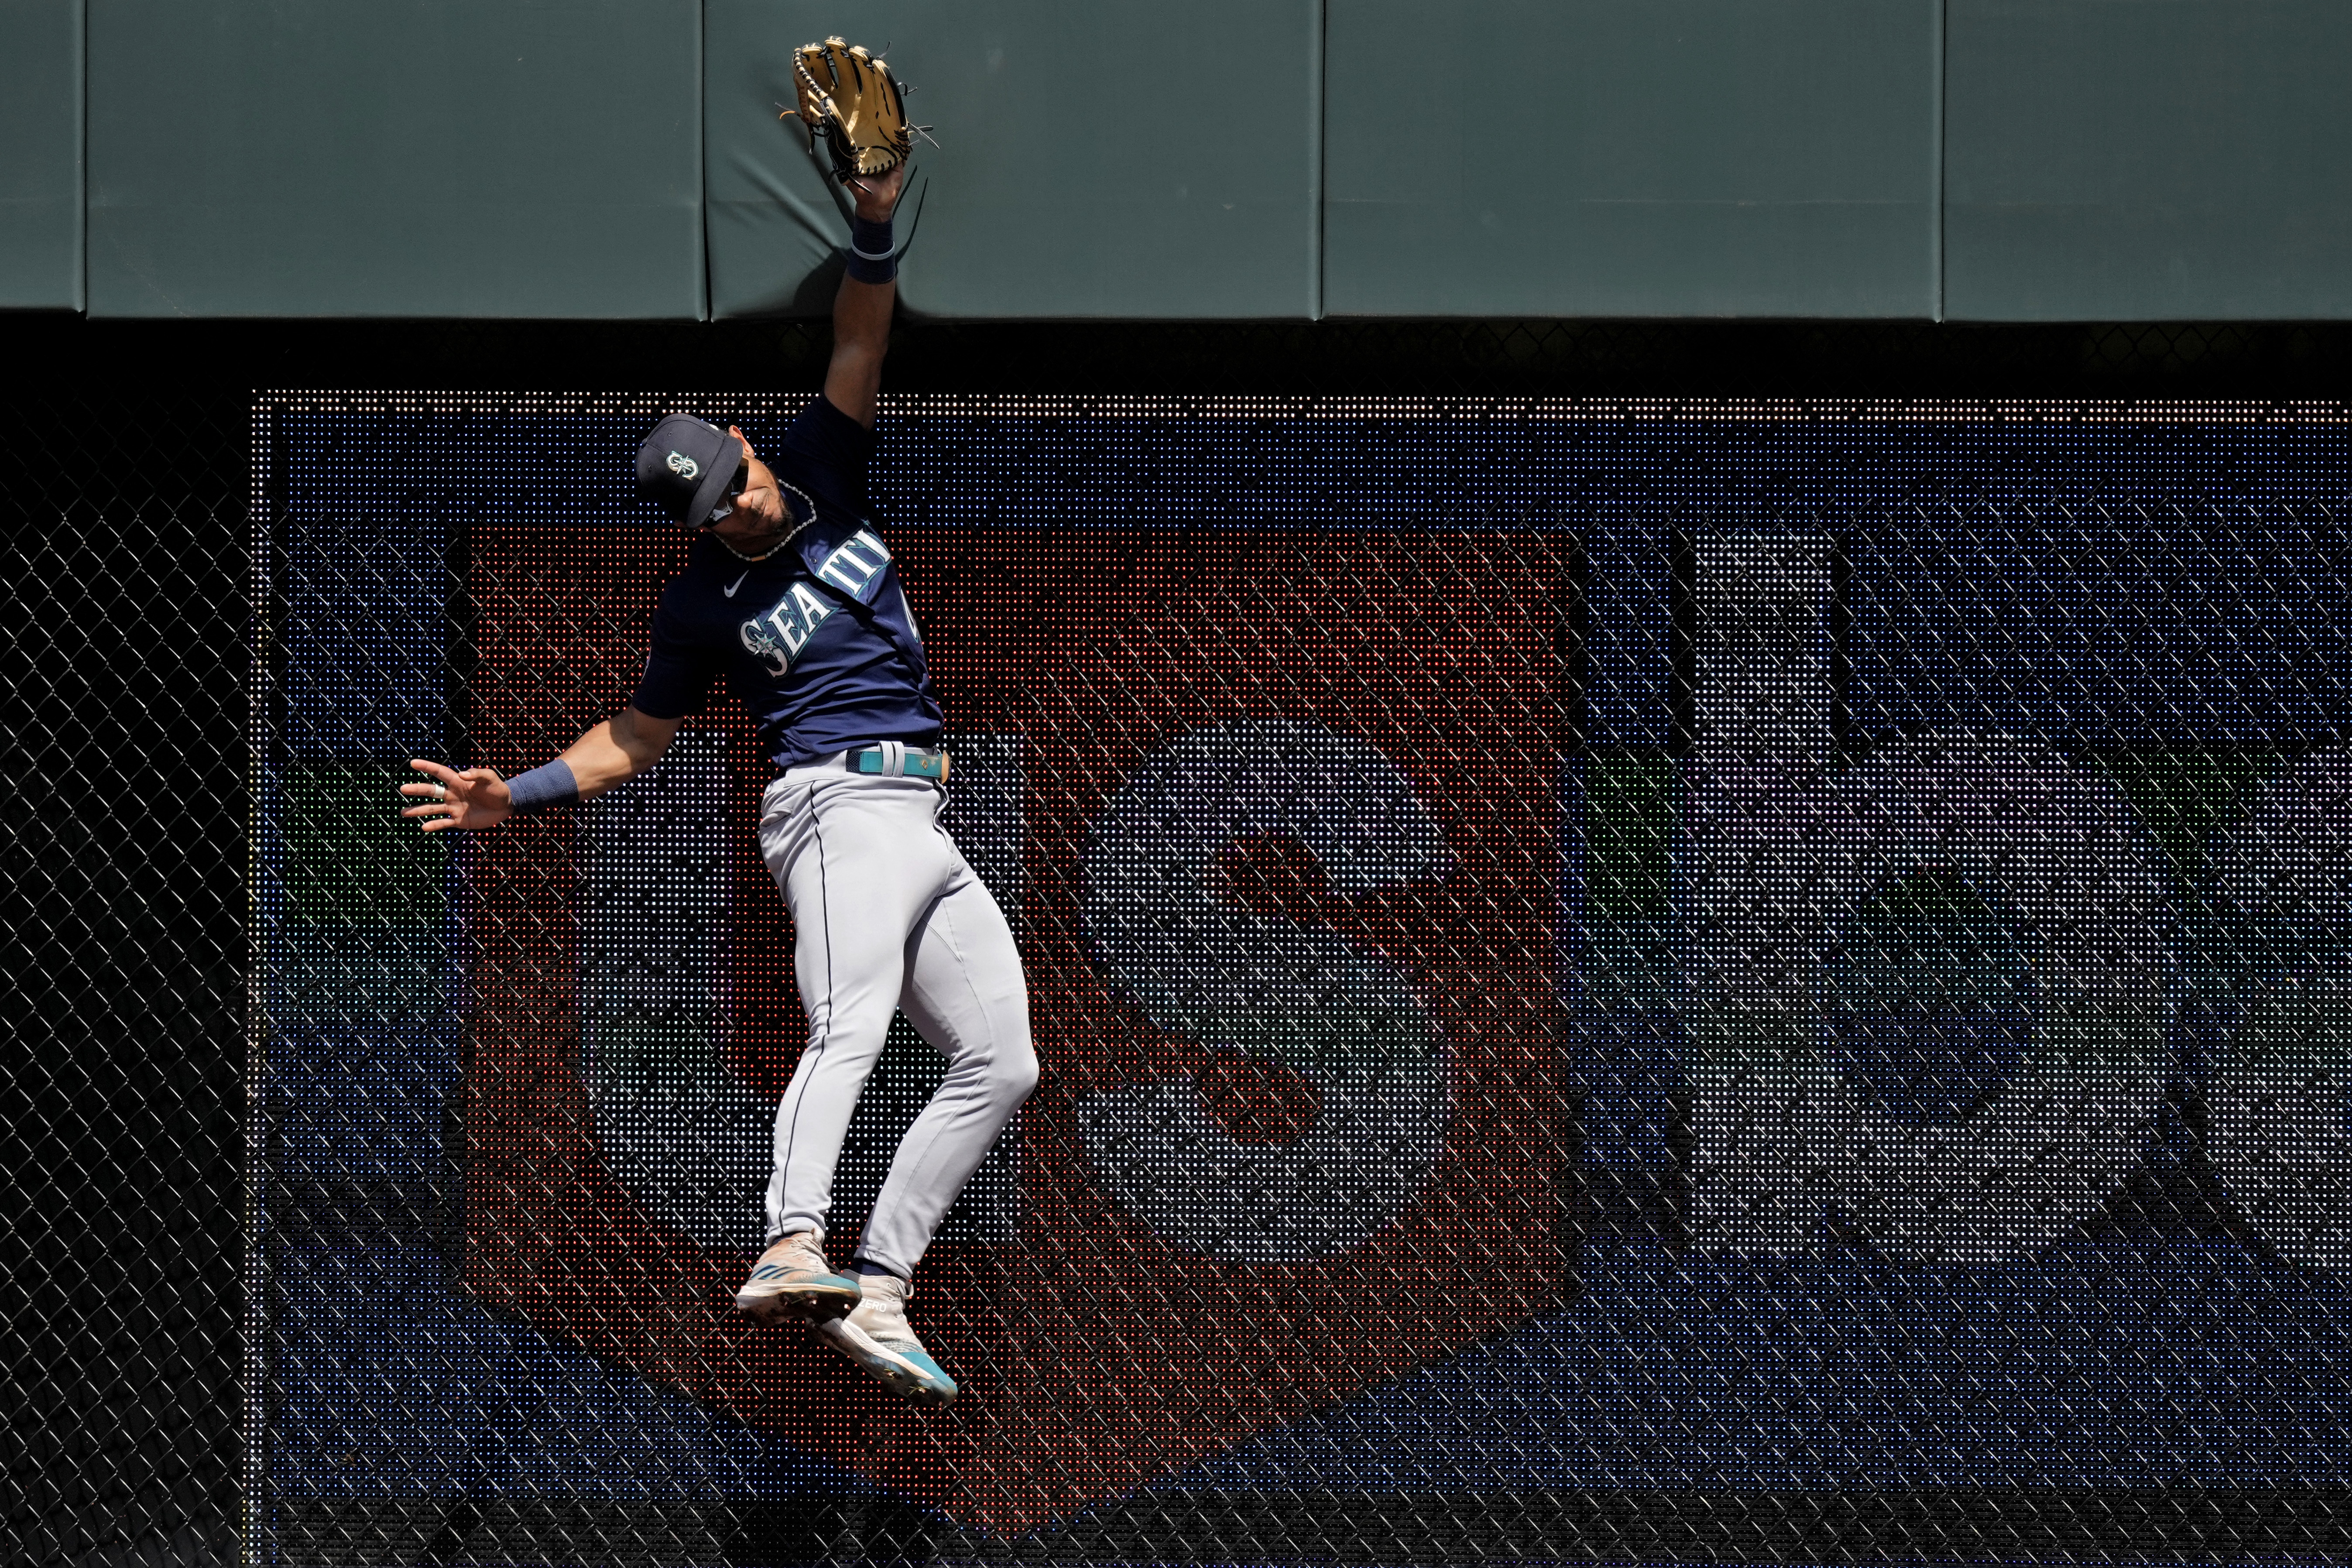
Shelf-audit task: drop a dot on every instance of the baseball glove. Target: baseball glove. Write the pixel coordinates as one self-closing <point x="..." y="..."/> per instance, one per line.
<point x="853" y="100"/>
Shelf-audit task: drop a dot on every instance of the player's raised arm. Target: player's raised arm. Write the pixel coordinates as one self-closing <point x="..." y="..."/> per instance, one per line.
<point x="850" y="103"/>
<point x="614" y="752"/>
<point x="867" y="295"/>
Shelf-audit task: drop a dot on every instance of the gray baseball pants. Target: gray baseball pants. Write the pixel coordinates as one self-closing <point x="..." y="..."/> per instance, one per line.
<point x="890" y="917"/>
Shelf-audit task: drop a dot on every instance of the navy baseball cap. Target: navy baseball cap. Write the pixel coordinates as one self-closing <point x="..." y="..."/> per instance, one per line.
<point x="686" y="466"/>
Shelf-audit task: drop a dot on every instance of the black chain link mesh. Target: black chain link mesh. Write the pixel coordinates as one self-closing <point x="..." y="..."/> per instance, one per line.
<point x="125" y="678"/>
<point x="1745" y="968"/>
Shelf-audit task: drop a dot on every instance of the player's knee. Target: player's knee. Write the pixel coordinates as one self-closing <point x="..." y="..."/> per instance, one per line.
<point x="851" y="1033"/>
<point x="1012" y="1074"/>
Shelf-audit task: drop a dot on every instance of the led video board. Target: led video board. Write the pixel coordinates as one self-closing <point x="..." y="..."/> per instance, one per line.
<point x="1647" y="951"/>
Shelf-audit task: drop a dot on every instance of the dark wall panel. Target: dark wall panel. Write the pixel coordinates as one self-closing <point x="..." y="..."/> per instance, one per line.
<point x="1093" y="161"/>
<point x="40" y="154"/>
<point x="1632" y="157"/>
<point x="2100" y="159"/>
<point x="2149" y="159"/>
<point x="395" y="158"/>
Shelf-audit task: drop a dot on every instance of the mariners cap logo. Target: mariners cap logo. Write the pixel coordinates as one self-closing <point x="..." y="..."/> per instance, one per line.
<point x="682" y="466"/>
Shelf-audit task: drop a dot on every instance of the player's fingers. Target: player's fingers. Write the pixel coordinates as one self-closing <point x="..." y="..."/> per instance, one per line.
<point x="433" y="770"/>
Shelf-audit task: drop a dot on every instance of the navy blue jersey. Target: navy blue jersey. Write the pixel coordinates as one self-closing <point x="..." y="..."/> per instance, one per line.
<point x="816" y="639"/>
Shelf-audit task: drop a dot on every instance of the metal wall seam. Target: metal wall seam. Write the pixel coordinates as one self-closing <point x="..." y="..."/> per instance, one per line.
<point x="81" y="158"/>
<point x="1320" y="130"/>
<point x="702" y="157"/>
<point x="1935" y="208"/>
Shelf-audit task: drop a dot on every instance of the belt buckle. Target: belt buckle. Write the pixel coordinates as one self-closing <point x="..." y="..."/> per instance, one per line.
<point x="917" y="764"/>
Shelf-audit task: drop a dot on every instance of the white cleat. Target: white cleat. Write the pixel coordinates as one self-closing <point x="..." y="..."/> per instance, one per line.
<point x="793" y="1283"/>
<point x="878" y="1338"/>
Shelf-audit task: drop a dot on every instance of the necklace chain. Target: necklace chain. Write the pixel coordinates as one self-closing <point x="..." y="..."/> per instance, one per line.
<point x="753" y="559"/>
<point x="779" y="544"/>
<point x="798" y="530"/>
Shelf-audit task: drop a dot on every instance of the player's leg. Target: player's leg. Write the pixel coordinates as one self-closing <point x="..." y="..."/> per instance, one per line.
<point x="966" y="994"/>
<point x="856" y="869"/>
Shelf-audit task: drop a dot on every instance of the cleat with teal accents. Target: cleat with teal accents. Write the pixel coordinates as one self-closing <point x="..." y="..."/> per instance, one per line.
<point x="793" y="1283"/>
<point x="875" y="1336"/>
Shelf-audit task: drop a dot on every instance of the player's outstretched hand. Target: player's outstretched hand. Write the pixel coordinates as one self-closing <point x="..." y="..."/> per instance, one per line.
<point x="476" y="798"/>
<point x="877" y="195"/>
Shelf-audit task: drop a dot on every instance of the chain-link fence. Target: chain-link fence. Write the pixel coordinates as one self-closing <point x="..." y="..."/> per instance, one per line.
<point x="125" y="679"/>
<point x="1624" y="978"/>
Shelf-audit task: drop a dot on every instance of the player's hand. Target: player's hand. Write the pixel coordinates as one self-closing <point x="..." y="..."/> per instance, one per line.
<point x="476" y="798"/>
<point x="877" y="195"/>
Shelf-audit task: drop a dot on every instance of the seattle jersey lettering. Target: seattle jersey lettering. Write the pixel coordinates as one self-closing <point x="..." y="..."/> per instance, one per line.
<point x="778" y="634"/>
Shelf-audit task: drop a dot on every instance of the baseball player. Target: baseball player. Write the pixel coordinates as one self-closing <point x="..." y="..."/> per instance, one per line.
<point x="790" y="594"/>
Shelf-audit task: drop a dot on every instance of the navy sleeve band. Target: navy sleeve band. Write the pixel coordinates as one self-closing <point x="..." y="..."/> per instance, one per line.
<point x="549" y="784"/>
<point x="872" y="257"/>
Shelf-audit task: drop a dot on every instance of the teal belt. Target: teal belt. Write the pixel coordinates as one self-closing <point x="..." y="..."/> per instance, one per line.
<point x="921" y="764"/>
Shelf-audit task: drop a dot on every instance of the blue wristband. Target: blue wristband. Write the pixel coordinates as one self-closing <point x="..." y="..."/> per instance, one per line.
<point x="872" y="258"/>
<point x="549" y="784"/>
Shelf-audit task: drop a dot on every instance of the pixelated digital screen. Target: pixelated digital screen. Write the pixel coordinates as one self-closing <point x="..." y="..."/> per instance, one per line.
<point x="1614" y="979"/>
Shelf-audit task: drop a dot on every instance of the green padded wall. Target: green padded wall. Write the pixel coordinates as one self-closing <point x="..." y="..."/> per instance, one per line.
<point x="2099" y="159"/>
<point x="40" y="154"/>
<point x="1094" y="159"/>
<point x="2147" y="159"/>
<point x="1632" y="157"/>
<point x="395" y="158"/>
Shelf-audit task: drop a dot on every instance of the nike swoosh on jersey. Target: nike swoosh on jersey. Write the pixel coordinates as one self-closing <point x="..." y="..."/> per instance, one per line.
<point x="730" y="589"/>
